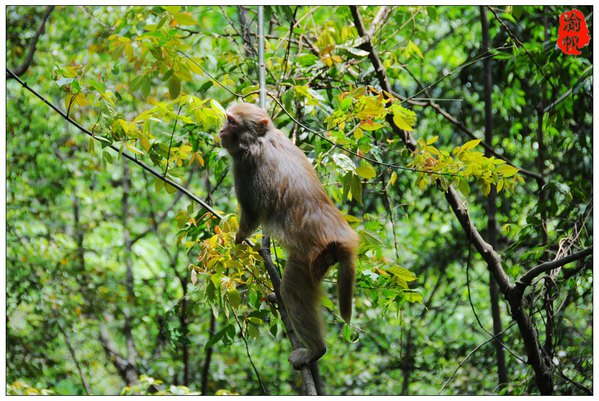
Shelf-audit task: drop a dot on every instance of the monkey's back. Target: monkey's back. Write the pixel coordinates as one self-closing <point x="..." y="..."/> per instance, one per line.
<point x="292" y="206"/>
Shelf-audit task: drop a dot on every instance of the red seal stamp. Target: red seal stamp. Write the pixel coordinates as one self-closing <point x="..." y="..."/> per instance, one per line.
<point x="573" y="32"/>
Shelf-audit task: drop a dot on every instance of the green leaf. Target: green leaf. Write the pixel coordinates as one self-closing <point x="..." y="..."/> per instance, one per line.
<point x="234" y="298"/>
<point x="174" y="87"/>
<point x="413" y="297"/>
<point x="366" y="170"/>
<point x="356" y="188"/>
<point x="169" y="188"/>
<point x="464" y="187"/>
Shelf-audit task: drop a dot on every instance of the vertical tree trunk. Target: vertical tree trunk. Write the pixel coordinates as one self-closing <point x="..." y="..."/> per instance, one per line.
<point x="491" y="203"/>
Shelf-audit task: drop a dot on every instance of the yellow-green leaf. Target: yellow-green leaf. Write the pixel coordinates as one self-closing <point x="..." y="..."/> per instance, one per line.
<point x="500" y="185"/>
<point x="470" y="144"/>
<point x="507" y="171"/>
<point x="234" y="297"/>
<point x="185" y="19"/>
<point x="402" y="273"/>
<point x="368" y="125"/>
<point x="194" y="66"/>
<point x="134" y="149"/>
<point x="172" y="9"/>
<point x="404" y="119"/>
<point x="366" y="171"/>
<point x="432" y="140"/>
<point x="393" y="178"/>
<point x="174" y="87"/>
<point x="464" y="187"/>
<point x="413" y="297"/>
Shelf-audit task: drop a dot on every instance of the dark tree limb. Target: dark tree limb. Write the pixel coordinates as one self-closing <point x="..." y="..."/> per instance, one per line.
<point x="20" y="70"/>
<point x="492" y="230"/>
<point x="527" y="277"/>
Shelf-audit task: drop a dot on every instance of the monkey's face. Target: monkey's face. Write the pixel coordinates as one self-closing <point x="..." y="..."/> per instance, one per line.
<point x="229" y="134"/>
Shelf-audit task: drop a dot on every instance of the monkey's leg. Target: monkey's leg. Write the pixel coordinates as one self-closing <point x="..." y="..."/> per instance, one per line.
<point x="301" y="295"/>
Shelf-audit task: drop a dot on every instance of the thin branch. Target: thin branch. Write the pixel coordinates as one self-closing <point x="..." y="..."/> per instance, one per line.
<point x="247" y="348"/>
<point x="127" y="156"/>
<point x="527" y="278"/>
<point x="573" y="89"/>
<point x="20" y="70"/>
<point x="74" y="356"/>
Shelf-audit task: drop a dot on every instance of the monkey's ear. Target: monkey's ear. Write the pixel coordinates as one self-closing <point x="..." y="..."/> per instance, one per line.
<point x="262" y="126"/>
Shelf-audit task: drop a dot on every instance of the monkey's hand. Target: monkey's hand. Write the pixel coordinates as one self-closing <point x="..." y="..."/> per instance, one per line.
<point x="239" y="238"/>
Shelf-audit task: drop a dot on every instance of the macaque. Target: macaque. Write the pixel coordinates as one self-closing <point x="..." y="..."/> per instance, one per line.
<point x="277" y="187"/>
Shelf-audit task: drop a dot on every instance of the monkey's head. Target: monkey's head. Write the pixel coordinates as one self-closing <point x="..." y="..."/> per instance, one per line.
<point x="245" y="124"/>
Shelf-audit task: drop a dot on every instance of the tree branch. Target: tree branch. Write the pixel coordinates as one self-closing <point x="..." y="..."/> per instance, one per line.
<point x="125" y="155"/>
<point x="20" y="70"/>
<point x="527" y="277"/>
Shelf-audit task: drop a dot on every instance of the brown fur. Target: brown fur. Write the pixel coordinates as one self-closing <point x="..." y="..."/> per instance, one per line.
<point x="277" y="187"/>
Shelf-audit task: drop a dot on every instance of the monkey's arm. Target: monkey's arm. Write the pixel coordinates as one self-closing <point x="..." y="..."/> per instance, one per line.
<point x="247" y="225"/>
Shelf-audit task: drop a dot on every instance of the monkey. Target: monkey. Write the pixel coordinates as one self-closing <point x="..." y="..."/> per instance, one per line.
<point x="277" y="187"/>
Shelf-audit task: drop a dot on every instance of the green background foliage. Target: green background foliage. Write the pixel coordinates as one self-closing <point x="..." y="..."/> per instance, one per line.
<point x="119" y="284"/>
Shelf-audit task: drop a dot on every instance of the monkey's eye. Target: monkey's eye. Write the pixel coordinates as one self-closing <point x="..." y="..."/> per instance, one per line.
<point x="231" y="121"/>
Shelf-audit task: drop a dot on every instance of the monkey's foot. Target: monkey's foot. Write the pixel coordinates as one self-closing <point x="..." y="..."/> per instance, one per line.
<point x="299" y="357"/>
<point x="302" y="356"/>
<point x="272" y="297"/>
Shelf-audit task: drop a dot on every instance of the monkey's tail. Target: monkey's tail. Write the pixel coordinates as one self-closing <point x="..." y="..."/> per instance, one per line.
<point x="345" y="281"/>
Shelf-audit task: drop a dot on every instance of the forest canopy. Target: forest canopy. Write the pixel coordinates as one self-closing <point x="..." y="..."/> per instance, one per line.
<point x="456" y="141"/>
